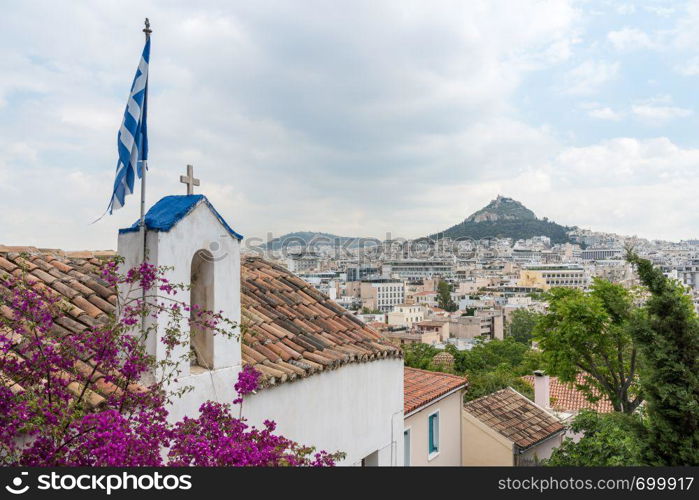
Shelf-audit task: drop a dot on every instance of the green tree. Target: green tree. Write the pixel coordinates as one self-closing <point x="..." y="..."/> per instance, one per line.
<point x="366" y="310"/>
<point x="444" y="299"/>
<point x="489" y="366"/>
<point x="486" y="382"/>
<point x="667" y="333"/>
<point x="589" y="333"/>
<point x="487" y="356"/>
<point x="521" y="327"/>
<point x="608" y="440"/>
<point x="419" y="355"/>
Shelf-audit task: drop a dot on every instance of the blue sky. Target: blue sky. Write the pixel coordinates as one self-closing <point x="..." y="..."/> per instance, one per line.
<point x="356" y="118"/>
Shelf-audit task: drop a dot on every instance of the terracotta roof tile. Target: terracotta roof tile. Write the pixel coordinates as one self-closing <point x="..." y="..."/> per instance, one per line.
<point x="314" y="332"/>
<point x="290" y="329"/>
<point x="83" y="308"/>
<point x="565" y="397"/>
<point x="421" y="387"/>
<point x="515" y="417"/>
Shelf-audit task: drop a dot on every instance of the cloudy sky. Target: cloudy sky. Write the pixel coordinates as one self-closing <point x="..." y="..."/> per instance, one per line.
<point x="356" y="118"/>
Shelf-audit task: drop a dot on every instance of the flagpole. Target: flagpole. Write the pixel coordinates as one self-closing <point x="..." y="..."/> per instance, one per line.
<point x="144" y="164"/>
<point x="144" y="169"/>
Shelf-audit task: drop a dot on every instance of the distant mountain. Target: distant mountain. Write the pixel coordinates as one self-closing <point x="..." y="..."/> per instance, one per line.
<point x="312" y="239"/>
<point x="506" y="218"/>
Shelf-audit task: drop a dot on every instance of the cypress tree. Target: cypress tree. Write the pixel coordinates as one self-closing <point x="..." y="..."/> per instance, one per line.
<point x="666" y="332"/>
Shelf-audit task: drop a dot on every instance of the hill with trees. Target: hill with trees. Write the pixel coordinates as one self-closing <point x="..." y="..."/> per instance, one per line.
<point x="506" y="218"/>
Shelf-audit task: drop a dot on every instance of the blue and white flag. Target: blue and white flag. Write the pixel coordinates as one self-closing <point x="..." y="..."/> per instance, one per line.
<point x="132" y="141"/>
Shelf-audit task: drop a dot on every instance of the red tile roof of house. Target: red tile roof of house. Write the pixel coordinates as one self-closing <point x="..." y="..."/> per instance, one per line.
<point x="290" y="330"/>
<point x="421" y="387"/>
<point x="377" y="325"/>
<point x="431" y="323"/>
<point x="514" y="417"/>
<point x="86" y="299"/>
<point x="565" y="397"/>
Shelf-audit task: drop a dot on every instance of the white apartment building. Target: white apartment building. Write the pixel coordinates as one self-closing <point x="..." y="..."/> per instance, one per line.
<point x="382" y="294"/>
<point x="406" y="315"/>
<point x="300" y="262"/>
<point x="688" y="275"/>
<point x="601" y="253"/>
<point x="418" y="269"/>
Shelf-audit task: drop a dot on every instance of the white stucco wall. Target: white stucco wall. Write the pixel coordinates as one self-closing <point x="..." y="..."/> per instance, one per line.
<point x="357" y="409"/>
<point x="540" y="451"/>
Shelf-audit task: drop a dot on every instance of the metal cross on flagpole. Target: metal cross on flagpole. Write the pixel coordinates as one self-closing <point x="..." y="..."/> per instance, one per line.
<point x="189" y="180"/>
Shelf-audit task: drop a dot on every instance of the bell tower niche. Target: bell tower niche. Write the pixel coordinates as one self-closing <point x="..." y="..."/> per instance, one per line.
<point x="188" y="235"/>
<point x="201" y="298"/>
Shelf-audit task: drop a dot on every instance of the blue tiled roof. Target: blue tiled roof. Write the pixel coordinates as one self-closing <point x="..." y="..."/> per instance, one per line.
<point x="171" y="209"/>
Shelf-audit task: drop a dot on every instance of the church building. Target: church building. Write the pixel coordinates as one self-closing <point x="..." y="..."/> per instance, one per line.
<point x="328" y="380"/>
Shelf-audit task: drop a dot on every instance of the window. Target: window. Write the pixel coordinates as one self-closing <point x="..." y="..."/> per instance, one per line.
<point x="433" y="435"/>
<point x="406" y="447"/>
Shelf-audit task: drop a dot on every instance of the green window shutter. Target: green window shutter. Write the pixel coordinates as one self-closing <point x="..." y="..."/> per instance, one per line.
<point x="433" y="423"/>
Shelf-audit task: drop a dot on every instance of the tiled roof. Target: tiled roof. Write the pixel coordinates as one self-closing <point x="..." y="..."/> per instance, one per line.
<point x="421" y="387"/>
<point x="377" y="325"/>
<point x="565" y="397"/>
<point x="292" y="330"/>
<point x="86" y="299"/>
<point x="443" y="358"/>
<point x="514" y="416"/>
<point x="428" y="323"/>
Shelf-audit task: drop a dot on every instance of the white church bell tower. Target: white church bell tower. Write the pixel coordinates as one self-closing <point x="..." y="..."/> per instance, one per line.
<point x="188" y="234"/>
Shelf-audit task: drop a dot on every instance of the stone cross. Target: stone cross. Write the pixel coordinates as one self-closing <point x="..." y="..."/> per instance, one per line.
<point x="189" y="179"/>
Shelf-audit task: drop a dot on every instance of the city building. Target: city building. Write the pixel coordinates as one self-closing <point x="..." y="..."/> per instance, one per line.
<point x="382" y="294"/>
<point x="601" y="253"/>
<point x="418" y="269"/>
<point x="438" y="328"/>
<point x="303" y="261"/>
<point x="507" y="429"/>
<point x="432" y="408"/>
<point x="405" y="315"/>
<point x="546" y="277"/>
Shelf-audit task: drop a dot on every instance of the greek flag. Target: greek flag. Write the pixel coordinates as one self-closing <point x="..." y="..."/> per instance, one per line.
<point x="132" y="141"/>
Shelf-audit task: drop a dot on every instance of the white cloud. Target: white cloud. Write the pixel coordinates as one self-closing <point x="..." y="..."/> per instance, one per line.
<point x="276" y="104"/>
<point x="623" y="185"/>
<point x="690" y="67"/>
<point x="659" y="110"/>
<point x="660" y="10"/>
<point x="589" y="76"/>
<point x="625" y="8"/>
<point x="357" y="121"/>
<point x="604" y="113"/>
<point x="628" y="39"/>
<point x="659" y="114"/>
